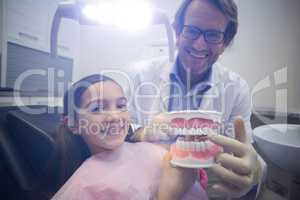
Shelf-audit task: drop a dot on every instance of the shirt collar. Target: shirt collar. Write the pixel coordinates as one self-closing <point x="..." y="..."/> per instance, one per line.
<point x="210" y="78"/>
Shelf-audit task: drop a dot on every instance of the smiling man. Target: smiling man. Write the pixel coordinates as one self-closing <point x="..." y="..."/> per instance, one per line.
<point x="204" y="29"/>
<point x="200" y="39"/>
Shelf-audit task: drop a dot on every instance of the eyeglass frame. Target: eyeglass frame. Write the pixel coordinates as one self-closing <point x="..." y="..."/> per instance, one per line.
<point x="204" y="33"/>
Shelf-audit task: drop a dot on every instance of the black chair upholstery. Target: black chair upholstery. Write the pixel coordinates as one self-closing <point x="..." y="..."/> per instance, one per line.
<point x="26" y="142"/>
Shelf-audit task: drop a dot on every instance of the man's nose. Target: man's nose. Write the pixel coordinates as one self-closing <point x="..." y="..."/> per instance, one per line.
<point x="200" y="43"/>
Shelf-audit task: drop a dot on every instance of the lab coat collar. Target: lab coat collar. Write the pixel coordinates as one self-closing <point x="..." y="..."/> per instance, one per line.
<point x="213" y="80"/>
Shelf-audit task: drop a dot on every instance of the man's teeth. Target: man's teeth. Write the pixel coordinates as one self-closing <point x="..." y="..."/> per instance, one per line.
<point x="194" y="146"/>
<point x="201" y="55"/>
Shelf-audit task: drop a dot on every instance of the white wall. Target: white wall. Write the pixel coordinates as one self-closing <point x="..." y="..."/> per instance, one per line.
<point x="267" y="41"/>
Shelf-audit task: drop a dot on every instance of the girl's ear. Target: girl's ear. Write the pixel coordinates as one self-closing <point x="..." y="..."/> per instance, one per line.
<point x="74" y="130"/>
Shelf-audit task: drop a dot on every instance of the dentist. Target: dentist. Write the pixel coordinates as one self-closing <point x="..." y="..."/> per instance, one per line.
<point x="204" y="29"/>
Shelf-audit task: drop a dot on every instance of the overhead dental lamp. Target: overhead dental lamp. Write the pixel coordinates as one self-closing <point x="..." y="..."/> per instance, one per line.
<point x="130" y="15"/>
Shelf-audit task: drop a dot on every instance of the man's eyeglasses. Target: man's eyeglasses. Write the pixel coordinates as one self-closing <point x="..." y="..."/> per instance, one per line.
<point x="210" y="36"/>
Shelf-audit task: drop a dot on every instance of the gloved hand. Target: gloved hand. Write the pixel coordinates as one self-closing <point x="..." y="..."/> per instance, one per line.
<point x="238" y="168"/>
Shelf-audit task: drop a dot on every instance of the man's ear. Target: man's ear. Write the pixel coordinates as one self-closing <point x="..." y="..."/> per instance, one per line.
<point x="177" y="33"/>
<point x="222" y="49"/>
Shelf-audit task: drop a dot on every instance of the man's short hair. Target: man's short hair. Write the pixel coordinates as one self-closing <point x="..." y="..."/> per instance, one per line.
<point x="227" y="7"/>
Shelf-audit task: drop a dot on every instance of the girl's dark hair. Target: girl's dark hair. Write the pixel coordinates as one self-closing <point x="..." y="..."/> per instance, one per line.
<point x="70" y="149"/>
<point x="227" y="7"/>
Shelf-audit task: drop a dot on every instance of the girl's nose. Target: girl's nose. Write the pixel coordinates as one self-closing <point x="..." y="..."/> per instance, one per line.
<point x="113" y="116"/>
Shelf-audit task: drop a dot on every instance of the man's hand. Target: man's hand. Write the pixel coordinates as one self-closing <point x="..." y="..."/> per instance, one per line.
<point x="238" y="167"/>
<point x="175" y="181"/>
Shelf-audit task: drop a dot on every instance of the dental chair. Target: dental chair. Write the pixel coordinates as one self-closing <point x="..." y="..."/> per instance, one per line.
<point x="26" y="144"/>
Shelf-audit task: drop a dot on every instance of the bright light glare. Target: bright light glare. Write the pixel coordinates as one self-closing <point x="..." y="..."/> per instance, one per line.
<point x="131" y="15"/>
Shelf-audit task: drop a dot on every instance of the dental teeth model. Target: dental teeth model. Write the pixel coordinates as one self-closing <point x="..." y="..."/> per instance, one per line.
<point x="192" y="148"/>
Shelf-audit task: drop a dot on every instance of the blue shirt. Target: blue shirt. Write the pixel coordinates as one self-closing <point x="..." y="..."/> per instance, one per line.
<point x="183" y="97"/>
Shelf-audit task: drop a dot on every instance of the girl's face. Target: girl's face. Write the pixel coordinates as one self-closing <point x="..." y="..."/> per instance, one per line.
<point x="103" y="120"/>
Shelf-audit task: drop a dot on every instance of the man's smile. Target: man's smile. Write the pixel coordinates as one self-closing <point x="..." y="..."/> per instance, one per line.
<point x="197" y="54"/>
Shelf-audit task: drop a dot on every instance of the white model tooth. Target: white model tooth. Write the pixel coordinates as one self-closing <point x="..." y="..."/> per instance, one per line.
<point x="185" y="131"/>
<point x="181" y="144"/>
<point x="202" y="146"/>
<point x="196" y="131"/>
<point x="203" y="132"/>
<point x="181" y="131"/>
<point x="178" y="143"/>
<point x="199" y="131"/>
<point x="198" y="146"/>
<point x="190" y="146"/>
<point x="193" y="131"/>
<point x="186" y="145"/>
<point x="190" y="130"/>
<point x="195" y="146"/>
<point x="208" y="144"/>
<point x="177" y="131"/>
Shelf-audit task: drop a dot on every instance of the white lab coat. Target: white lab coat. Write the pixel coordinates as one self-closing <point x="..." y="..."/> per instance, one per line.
<point x="229" y="93"/>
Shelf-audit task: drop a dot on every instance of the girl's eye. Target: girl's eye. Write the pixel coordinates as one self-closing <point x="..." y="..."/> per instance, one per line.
<point x="96" y="109"/>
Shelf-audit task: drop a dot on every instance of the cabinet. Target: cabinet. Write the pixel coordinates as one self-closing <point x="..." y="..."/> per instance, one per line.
<point x="28" y="23"/>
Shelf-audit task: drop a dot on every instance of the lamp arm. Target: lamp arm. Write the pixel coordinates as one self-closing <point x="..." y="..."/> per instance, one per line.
<point x="170" y="41"/>
<point x="162" y="18"/>
<point x="68" y="10"/>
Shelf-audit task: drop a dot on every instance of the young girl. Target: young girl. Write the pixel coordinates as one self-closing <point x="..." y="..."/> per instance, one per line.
<point x="95" y="125"/>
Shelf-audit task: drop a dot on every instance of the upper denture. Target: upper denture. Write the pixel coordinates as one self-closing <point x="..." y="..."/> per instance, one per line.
<point x="193" y="123"/>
